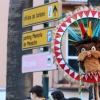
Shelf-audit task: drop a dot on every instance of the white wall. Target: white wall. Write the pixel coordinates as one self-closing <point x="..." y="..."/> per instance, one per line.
<point x="4" y="6"/>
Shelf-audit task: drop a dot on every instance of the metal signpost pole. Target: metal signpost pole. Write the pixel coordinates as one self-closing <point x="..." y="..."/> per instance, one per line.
<point x="45" y="83"/>
<point x="94" y="3"/>
<point x="45" y="78"/>
<point x="90" y="87"/>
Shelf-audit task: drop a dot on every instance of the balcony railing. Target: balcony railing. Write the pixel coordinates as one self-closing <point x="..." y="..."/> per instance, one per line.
<point x="74" y="2"/>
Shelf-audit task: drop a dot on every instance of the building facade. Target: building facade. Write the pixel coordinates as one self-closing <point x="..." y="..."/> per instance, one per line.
<point x="56" y="80"/>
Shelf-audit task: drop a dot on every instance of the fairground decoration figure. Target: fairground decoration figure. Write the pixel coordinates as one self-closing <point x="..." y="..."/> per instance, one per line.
<point x="87" y="43"/>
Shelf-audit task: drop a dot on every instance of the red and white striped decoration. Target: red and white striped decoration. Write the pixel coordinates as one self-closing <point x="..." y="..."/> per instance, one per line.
<point x="57" y="44"/>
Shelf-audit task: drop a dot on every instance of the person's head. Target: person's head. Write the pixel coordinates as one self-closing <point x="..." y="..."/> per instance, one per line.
<point x="36" y="92"/>
<point x="74" y="98"/>
<point x="64" y="99"/>
<point x="28" y="98"/>
<point x="57" y="95"/>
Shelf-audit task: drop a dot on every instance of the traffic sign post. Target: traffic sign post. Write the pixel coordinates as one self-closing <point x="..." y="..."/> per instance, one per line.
<point x="41" y="14"/>
<point x="42" y="37"/>
<point x="37" y="38"/>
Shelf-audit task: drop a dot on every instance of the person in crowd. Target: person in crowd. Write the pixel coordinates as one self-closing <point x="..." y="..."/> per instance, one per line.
<point x="57" y="95"/>
<point x="28" y="98"/>
<point x="72" y="98"/>
<point x="36" y="93"/>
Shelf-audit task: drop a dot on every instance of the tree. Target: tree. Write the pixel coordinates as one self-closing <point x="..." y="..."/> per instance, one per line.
<point x="17" y="84"/>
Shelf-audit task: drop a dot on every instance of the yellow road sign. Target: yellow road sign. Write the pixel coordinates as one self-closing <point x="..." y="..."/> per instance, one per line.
<point x="41" y="14"/>
<point x="37" y="38"/>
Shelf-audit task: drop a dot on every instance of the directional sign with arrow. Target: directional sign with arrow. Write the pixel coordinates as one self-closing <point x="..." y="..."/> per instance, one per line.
<point x="41" y="14"/>
<point x="55" y="10"/>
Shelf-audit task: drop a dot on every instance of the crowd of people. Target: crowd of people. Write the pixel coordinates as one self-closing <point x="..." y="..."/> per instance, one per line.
<point x="36" y="93"/>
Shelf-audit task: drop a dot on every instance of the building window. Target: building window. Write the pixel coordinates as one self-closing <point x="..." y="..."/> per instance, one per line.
<point x="63" y="15"/>
<point x="71" y="53"/>
<point x="46" y="1"/>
